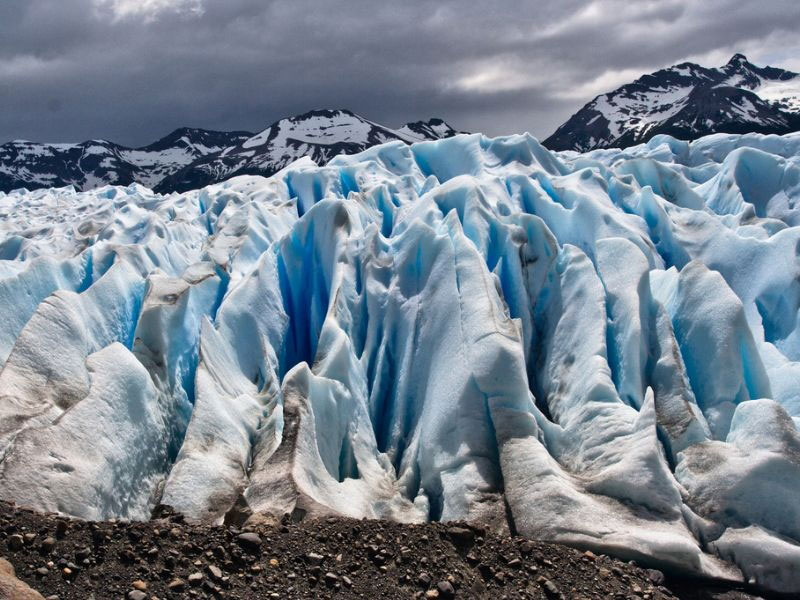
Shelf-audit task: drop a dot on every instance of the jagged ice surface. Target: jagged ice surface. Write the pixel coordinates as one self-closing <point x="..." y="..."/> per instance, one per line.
<point x="602" y="349"/>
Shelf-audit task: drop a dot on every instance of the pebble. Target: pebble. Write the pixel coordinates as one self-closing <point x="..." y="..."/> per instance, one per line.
<point x="83" y="553"/>
<point x="47" y="545"/>
<point x="314" y="558"/>
<point x="461" y="536"/>
<point x="249" y="541"/>
<point x="655" y="576"/>
<point x="215" y="572"/>
<point x="550" y="588"/>
<point x="446" y="589"/>
<point x="61" y="528"/>
<point x="15" y="542"/>
<point x="136" y="595"/>
<point x="139" y="585"/>
<point x="176" y="585"/>
<point x="195" y="578"/>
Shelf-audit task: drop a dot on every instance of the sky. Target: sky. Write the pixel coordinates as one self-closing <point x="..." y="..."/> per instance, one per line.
<point x="133" y="70"/>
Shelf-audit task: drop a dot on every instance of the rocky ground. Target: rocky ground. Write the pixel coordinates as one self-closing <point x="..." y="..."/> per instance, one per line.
<point x="170" y="558"/>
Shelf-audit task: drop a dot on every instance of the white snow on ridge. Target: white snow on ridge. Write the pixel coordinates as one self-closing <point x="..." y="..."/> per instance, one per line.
<point x="640" y="113"/>
<point x="609" y="342"/>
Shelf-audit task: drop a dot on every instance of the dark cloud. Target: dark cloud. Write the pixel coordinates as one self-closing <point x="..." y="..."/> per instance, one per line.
<point x="131" y="70"/>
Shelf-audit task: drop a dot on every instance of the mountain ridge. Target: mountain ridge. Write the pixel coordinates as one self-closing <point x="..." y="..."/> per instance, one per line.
<point x="686" y="101"/>
<point x="189" y="158"/>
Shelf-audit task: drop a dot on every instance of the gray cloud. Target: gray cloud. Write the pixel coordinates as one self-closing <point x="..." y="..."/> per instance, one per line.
<point x="132" y="70"/>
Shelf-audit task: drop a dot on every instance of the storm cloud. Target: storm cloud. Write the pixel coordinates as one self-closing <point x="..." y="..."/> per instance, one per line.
<point x="133" y="70"/>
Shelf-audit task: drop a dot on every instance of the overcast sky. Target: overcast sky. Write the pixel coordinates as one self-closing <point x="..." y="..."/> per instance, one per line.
<point x="133" y="70"/>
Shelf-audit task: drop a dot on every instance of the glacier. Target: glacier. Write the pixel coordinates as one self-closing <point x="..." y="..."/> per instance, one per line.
<point x="597" y="349"/>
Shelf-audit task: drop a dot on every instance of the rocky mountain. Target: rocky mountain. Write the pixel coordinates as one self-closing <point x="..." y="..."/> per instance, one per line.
<point x="686" y="101"/>
<point x="319" y="134"/>
<point x="96" y="163"/>
<point x="434" y="129"/>
<point x="191" y="158"/>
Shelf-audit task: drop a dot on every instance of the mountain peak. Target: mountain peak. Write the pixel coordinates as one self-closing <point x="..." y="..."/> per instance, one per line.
<point x="326" y="113"/>
<point x="686" y="101"/>
<point x="738" y="59"/>
<point x="432" y="129"/>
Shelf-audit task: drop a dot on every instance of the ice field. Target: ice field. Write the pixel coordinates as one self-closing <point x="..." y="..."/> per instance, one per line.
<point x="602" y="348"/>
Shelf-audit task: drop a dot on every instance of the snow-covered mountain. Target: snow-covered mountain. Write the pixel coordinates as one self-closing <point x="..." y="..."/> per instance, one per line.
<point x="686" y="101"/>
<point x="98" y="162"/>
<point x="433" y="129"/>
<point x="598" y="349"/>
<point x="318" y="134"/>
<point x="191" y="158"/>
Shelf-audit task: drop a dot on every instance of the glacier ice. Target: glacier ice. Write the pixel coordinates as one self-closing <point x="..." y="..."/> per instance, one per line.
<point x="599" y="349"/>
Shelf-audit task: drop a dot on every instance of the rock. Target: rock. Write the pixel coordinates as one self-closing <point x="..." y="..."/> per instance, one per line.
<point x="550" y="588"/>
<point x="446" y="589"/>
<point x="176" y="585"/>
<point x="249" y="541"/>
<point x="61" y="529"/>
<point x="461" y="536"/>
<point x="590" y="555"/>
<point x="655" y="576"/>
<point x="15" y="542"/>
<point x="139" y="585"/>
<point x="432" y="594"/>
<point x="215" y="572"/>
<point x="331" y="578"/>
<point x="424" y="580"/>
<point x="136" y="595"/>
<point x="515" y="563"/>
<point x="485" y="570"/>
<point x="313" y="558"/>
<point x="29" y="538"/>
<point x="13" y="588"/>
<point x="83" y="553"/>
<point x="47" y="545"/>
<point x="195" y="578"/>
<point x="347" y="581"/>
<point x="42" y="571"/>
